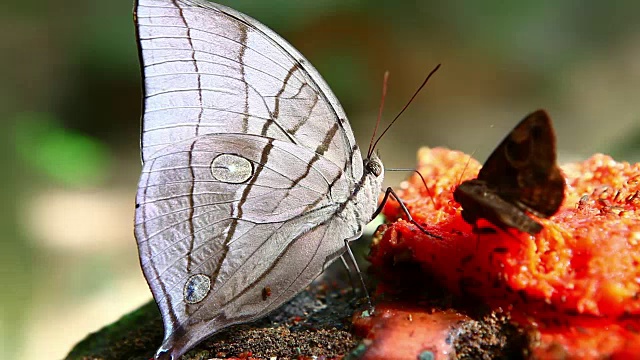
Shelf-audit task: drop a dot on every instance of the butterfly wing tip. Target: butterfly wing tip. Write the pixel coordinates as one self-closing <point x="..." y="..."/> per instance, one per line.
<point x="169" y="353"/>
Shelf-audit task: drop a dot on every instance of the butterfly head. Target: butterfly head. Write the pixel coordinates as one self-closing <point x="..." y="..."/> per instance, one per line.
<point x="369" y="185"/>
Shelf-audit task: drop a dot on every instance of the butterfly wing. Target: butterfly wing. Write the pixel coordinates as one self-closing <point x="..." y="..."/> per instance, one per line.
<point x="523" y="168"/>
<point x="210" y="69"/>
<point x="251" y="177"/>
<point x="216" y="224"/>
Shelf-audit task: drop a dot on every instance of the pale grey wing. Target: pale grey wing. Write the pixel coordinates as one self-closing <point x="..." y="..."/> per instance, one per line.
<point x="221" y="217"/>
<point x="210" y="69"/>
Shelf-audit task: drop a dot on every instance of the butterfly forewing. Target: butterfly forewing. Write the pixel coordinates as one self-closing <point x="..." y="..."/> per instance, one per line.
<point x="523" y="167"/>
<point x="209" y="69"/>
<point x="251" y="176"/>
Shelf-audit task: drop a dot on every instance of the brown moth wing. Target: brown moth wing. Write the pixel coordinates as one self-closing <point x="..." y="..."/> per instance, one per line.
<point x="521" y="175"/>
<point x="523" y="168"/>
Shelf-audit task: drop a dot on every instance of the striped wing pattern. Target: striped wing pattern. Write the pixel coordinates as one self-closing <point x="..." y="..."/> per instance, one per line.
<point x="251" y="176"/>
<point x="210" y="69"/>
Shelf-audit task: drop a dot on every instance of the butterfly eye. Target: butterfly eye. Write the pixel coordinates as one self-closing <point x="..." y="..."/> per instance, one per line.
<point x="374" y="167"/>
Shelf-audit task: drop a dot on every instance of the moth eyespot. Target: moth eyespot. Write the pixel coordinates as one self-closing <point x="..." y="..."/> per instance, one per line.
<point x="196" y="288"/>
<point x="231" y="168"/>
<point x="518" y="153"/>
<point x="537" y="132"/>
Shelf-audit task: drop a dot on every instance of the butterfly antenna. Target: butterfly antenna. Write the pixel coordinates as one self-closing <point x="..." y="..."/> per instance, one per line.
<point x="385" y="81"/>
<point x="465" y="167"/>
<point x="423" y="182"/>
<point x="406" y="106"/>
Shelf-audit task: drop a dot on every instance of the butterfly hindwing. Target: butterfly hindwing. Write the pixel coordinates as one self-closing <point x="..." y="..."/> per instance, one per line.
<point x="479" y="200"/>
<point x="209" y="207"/>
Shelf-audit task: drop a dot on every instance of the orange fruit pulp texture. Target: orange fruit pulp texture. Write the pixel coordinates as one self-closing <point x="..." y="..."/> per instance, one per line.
<point x="582" y="271"/>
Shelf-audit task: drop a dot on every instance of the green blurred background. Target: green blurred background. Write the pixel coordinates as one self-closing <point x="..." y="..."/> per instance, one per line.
<point x="70" y="107"/>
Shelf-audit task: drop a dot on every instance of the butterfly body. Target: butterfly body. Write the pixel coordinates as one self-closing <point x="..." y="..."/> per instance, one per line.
<point x="520" y="177"/>
<point x="251" y="176"/>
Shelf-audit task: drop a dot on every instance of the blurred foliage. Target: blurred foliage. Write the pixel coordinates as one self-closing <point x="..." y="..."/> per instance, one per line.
<point x="70" y="106"/>
<point x="16" y="261"/>
<point x="58" y="153"/>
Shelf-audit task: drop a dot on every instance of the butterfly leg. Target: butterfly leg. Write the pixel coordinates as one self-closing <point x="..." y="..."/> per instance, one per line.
<point x="351" y="280"/>
<point x="355" y="265"/>
<point x="404" y="209"/>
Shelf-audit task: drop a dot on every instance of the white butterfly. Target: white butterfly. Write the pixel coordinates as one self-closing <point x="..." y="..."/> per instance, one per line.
<point x="252" y="178"/>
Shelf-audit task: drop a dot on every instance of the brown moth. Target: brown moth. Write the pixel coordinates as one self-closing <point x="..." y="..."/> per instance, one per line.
<point x="519" y="178"/>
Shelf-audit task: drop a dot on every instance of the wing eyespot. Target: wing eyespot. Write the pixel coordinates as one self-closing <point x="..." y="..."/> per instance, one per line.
<point x="231" y="168"/>
<point x="518" y="153"/>
<point x="196" y="288"/>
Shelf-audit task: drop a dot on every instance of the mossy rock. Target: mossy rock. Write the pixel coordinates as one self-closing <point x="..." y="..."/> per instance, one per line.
<point x="315" y="323"/>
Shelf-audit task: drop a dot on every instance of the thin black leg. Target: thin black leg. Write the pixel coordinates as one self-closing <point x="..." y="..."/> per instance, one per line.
<point x="404" y="209"/>
<point x="364" y="286"/>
